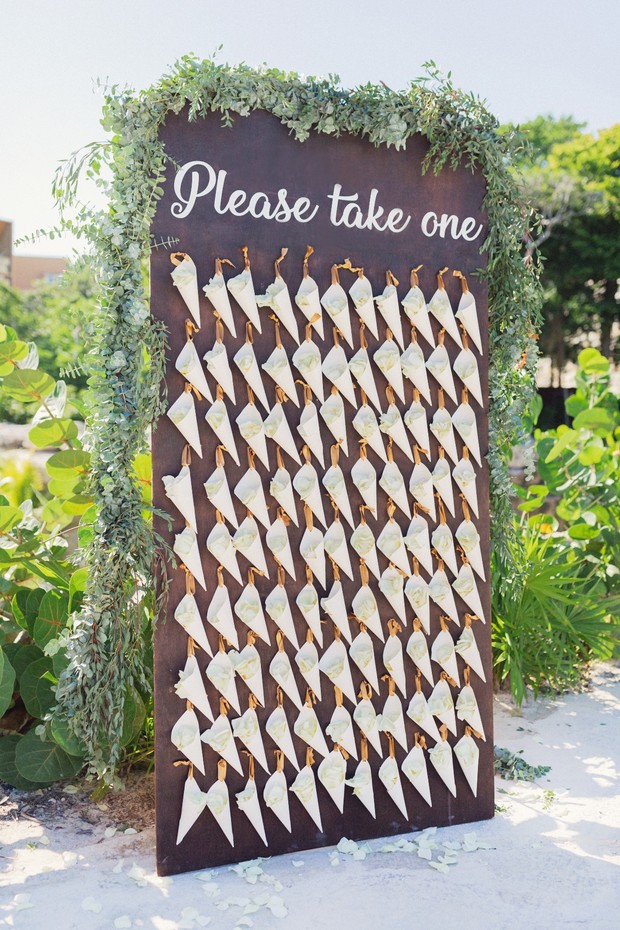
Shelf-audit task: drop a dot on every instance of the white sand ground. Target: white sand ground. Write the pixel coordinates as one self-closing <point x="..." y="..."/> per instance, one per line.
<point x="553" y="858"/>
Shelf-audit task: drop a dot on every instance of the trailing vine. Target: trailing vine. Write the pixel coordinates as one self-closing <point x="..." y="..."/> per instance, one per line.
<point x="127" y="358"/>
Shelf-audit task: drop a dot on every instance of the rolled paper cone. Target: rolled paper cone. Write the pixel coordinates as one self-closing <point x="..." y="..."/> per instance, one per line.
<point x="278" y="368"/>
<point x="340" y="730"/>
<point x="279" y="609"/>
<point x="304" y="787"/>
<point x="416" y="422"/>
<point x="218" y="803"/>
<point x="185" y="279"/>
<point x="335" y="664"/>
<point x="392" y="586"/>
<point x="185" y="736"/>
<point x="334" y="416"/>
<point x="467" y="709"/>
<point x="218" y="419"/>
<point x="178" y="489"/>
<point x="467" y="314"/>
<point x="443" y="542"/>
<point x="247" y="541"/>
<point x="307" y="360"/>
<point x="364" y="544"/>
<point x="306" y="483"/>
<point x="390" y="776"/>
<point x="281" y="671"/>
<point x="218" y="494"/>
<point x="390" y="543"/>
<point x="334" y="482"/>
<point x="308" y="729"/>
<point x="190" y="687"/>
<point x="220" y="616"/>
<point x="421" y="487"/>
<point x="392" y="720"/>
<point x="308" y="603"/>
<point x="241" y="286"/>
<point x="414" y="768"/>
<point x="387" y="360"/>
<point x="279" y="300"/>
<point x="281" y="489"/>
<point x="307" y="661"/>
<point x="186" y="547"/>
<point x="335" y="303"/>
<point x="336" y="369"/>
<point x="310" y="431"/>
<point x="417" y="650"/>
<point x="216" y="292"/>
<point x="391" y="423"/>
<point x="247" y="801"/>
<point x="413" y="365"/>
<point x="364" y="606"/>
<point x="387" y="305"/>
<point x="393" y="484"/>
<point x="246" y="729"/>
<point x="441" y="308"/>
<point x="360" y="293"/>
<point x="331" y="773"/>
<point x="361" y="369"/>
<point x="312" y="552"/>
<point x="467" y="648"/>
<point x="220" y="738"/>
<point x="252" y="430"/>
<point x="466" y="367"/>
<point x="364" y="477"/>
<point x="365" y="717"/>
<point x="249" y="490"/>
<point x="441" y="705"/>
<point x="469" y="541"/>
<point x="443" y="763"/>
<point x="394" y="662"/>
<point x="441" y="428"/>
<point x="335" y="543"/>
<point x="361" y="783"/>
<point x="443" y="653"/>
<point x="188" y="616"/>
<point x="419" y="712"/>
<point x="183" y="415"/>
<point x="248" y="666"/>
<point x="464" y="422"/>
<point x="245" y="360"/>
<point x="438" y="364"/>
<point x="465" y="587"/>
<point x="278" y="729"/>
<point x="192" y="806"/>
<point x="249" y="609"/>
<point x="275" y="796"/>
<point x="465" y="479"/>
<point x="307" y="299"/>
<point x="335" y="607"/>
<point x="221" y="673"/>
<point x="365" y="423"/>
<point x="415" y="307"/>
<point x="441" y="592"/>
<point x="218" y="366"/>
<point x="278" y="542"/>
<point x="418" y="543"/>
<point x="442" y="482"/>
<point x="188" y="364"/>
<point x="468" y="755"/>
<point x="416" y="592"/>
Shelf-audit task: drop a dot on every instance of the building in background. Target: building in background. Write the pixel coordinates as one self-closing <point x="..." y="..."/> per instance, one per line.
<point x="24" y="271"/>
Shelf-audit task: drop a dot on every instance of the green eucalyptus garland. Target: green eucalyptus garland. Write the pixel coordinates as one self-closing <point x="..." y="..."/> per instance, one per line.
<point x="127" y="358"/>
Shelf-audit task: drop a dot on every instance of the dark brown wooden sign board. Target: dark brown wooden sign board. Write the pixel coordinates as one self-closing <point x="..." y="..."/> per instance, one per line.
<point x="259" y="154"/>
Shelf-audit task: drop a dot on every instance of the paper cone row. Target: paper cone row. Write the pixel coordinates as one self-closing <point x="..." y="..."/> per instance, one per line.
<point x="391" y="423"/>
<point x="277" y="367"/>
<point x="220" y="615"/>
<point x="334" y="416"/>
<point x="306" y="483"/>
<point x="340" y="730"/>
<point x="414" y="768"/>
<point x="335" y="664"/>
<point x="441" y="428"/>
<point x="334" y="483"/>
<point x="188" y="364"/>
<point x="331" y="773"/>
<point x="307" y="299"/>
<point x="467" y="709"/>
<point x="387" y="305"/>
<point x="441" y="308"/>
<point x="247" y="801"/>
<point x="468" y="755"/>
<point x="465" y="479"/>
<point x="393" y="484"/>
<point x="278" y="607"/>
<point x="307" y="661"/>
<point x="421" y="487"/>
<point x="245" y="360"/>
<point x="218" y="366"/>
<point x="219" y="421"/>
<point x="390" y="776"/>
<point x="364" y="607"/>
<point x="467" y="648"/>
<point x="442" y="482"/>
<point x="183" y="415"/>
<point x="413" y="365"/>
<point x="188" y="616"/>
<point x="249" y="610"/>
<point x="467" y="314"/>
<point x="392" y="585"/>
<point x="441" y="705"/>
<point x="185" y="278"/>
<point x="249" y="490"/>
<point x="390" y="542"/>
<point x="335" y="607"/>
<point x="221" y="673"/>
<point x="312" y="552"/>
<point x="336" y="369"/>
<point x="443" y="542"/>
<point x="466" y="367"/>
<point x="252" y="430"/>
<point x="335" y="302"/>
<point x="417" y="650"/>
<point x="361" y="369"/>
<point x="246" y="728"/>
<point x="416" y="592"/>
<point x="441" y="592"/>
<point x="281" y="489"/>
<point x="190" y="687"/>
<point x="443" y="763"/>
<point x="304" y="787"/>
<point x="220" y="738"/>
<point x="248" y="666"/>
<point x="391" y="720"/>
<point x="442" y="652"/>
<point x="218" y="802"/>
<point x="310" y="431"/>
<point x="278" y="729"/>
<point x="178" y="489"/>
<point x="192" y="806"/>
<point x="418" y="542"/>
<point x="387" y="360"/>
<point x="362" y="786"/>
<point x="308" y="729"/>
<point x="365" y="423"/>
<point x="247" y="541"/>
<point x="438" y="364"/>
<point x="415" y="307"/>
<point x="464" y="422"/>
<point x="278" y="542"/>
<point x="419" y="712"/>
<point x="275" y="796"/>
<point x="364" y="477"/>
<point x="218" y="494"/>
<point x="361" y="295"/>
<point x="469" y="541"/>
<point x="335" y="543"/>
<point x="416" y="422"/>
<point x="307" y="361"/>
<point x="465" y="587"/>
<point x="186" y="547"/>
<point x="281" y="671"/>
<point x="216" y="292"/>
<point x="365" y="717"/>
<point x="364" y="544"/>
<point x="394" y="662"/>
<point x="185" y="736"/>
<point x="279" y="300"/>
<point x="308" y="603"/>
<point x="241" y="286"/>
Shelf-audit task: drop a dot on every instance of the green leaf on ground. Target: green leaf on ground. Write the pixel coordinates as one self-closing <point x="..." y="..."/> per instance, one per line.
<point x="44" y="760"/>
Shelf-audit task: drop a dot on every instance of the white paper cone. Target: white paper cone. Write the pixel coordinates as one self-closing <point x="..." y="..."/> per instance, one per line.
<point x="335" y="664"/>
<point x="390" y="543"/>
<point x="336" y="369"/>
<point x="467" y="314"/>
<point x="442" y="482"/>
<point x="387" y="360"/>
<point x="216" y="292"/>
<point x="438" y="364"/>
<point x="304" y="787"/>
<point x="312" y="552"/>
<point x="310" y="431"/>
<point x="415" y="307"/>
<point x="417" y="650"/>
<point x="392" y="720"/>
<point x="188" y="616"/>
<point x="466" y="367"/>
<point x="363" y="654"/>
<point x="245" y="360"/>
<point x="220" y="738"/>
<point x="252" y="430"/>
<point x="277" y="728"/>
<point x="468" y="754"/>
<point x="307" y="728"/>
<point x="307" y="299"/>
<point x="220" y="616"/>
<point x="441" y="308"/>
<point x="219" y="421"/>
<point x="390" y="776"/>
<point x="365" y="717"/>
<point x="247" y="801"/>
<point x="183" y="415"/>
<point x="393" y="484"/>
<point x="467" y="648"/>
<point x="185" y="279"/>
<point x="218" y="366"/>
<point x="247" y="541"/>
<point x="364" y="477"/>
<point x="465" y="479"/>
<point x="281" y="671"/>
<point x="334" y="483"/>
<point x="441" y="705"/>
<point x="185" y="736"/>
<point x="221" y="673"/>
<point x="361" y="368"/>
<point x="248" y="666"/>
<point x="249" y="490"/>
<point x="392" y="586"/>
<point x="178" y="489"/>
<point x="467" y="709"/>
<point x="364" y="544"/>
<point x="416" y="421"/>
<point x="335" y="543"/>
<point x="279" y="609"/>
<point x="340" y="730"/>
<point x="333" y="414"/>
<point x="275" y="796"/>
<point x="469" y="540"/>
<point x="249" y="610"/>
<point x="331" y="773"/>
<point x="279" y="300"/>
<point x="441" y="592"/>
<point x="277" y="367"/>
<point x="218" y="803"/>
<point x="419" y="712"/>
<point x="361" y="295"/>
<point x="281" y="489"/>
<point x="218" y="493"/>
<point x="414" y="768"/>
<point x="364" y="607"/>
<point x="391" y="423"/>
<point x="441" y="428"/>
<point x="387" y="305"/>
<point x="421" y="487"/>
<point x="335" y="302"/>
<point x="464" y="422"/>
<point x="335" y="606"/>
<point x="366" y="424"/>
<point x="186" y="547"/>
<point x="190" y="687"/>
<point x="362" y="786"/>
<point x="278" y="542"/>
<point x="307" y="661"/>
<point x="188" y="364"/>
<point x="443" y="653"/>
<point x="308" y="603"/>
<point x="307" y="361"/>
<point x="394" y="662"/>
<point x="241" y="286"/>
<point x="416" y="592"/>
<point x="443" y="763"/>
<point x="418" y="543"/>
<point x="306" y="483"/>
<point x="192" y="806"/>
<point x="443" y="542"/>
<point x="246" y="728"/>
<point x="413" y="365"/>
<point x="465" y="587"/>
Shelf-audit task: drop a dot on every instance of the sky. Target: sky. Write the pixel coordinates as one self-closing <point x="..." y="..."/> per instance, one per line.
<point x="557" y="56"/>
